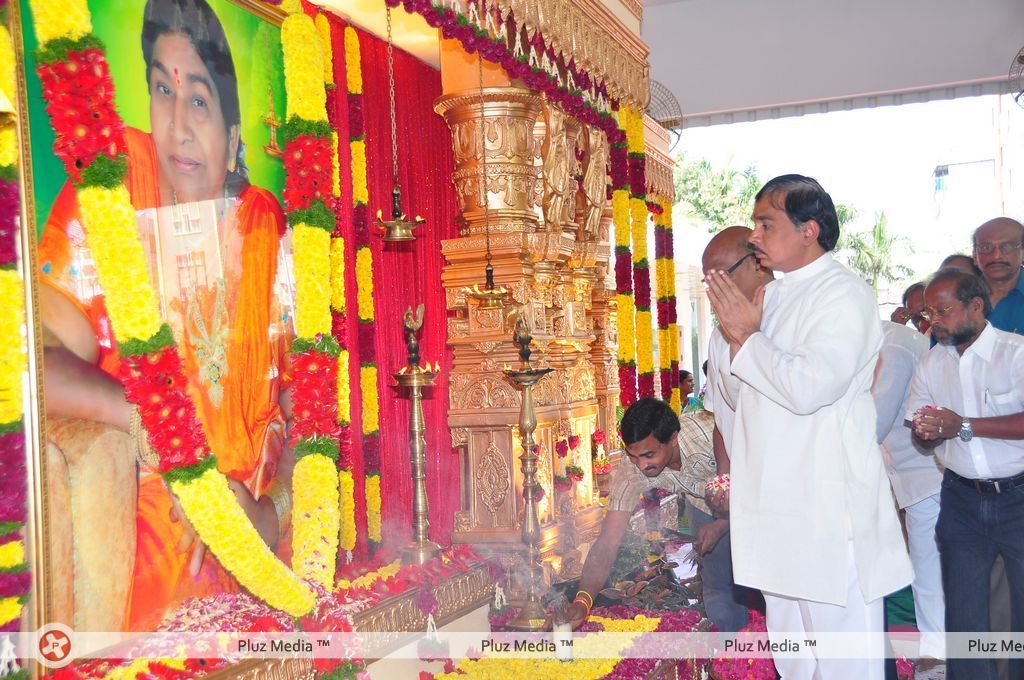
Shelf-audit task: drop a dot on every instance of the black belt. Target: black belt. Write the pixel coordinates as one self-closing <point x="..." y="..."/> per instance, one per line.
<point x="989" y="485"/>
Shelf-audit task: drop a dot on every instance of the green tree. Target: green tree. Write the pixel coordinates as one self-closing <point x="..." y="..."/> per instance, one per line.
<point x="874" y="253"/>
<point x="718" y="197"/>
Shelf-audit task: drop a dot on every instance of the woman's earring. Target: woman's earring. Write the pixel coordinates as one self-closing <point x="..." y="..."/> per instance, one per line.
<point x="231" y="165"/>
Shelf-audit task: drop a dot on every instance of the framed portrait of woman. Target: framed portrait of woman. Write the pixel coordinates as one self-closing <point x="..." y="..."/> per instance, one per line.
<point x="200" y="87"/>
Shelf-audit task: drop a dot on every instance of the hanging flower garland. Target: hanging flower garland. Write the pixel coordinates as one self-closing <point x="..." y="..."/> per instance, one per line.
<point x="339" y="321"/>
<point x="675" y="398"/>
<point x="75" y="78"/>
<point x="665" y="288"/>
<point x="309" y="183"/>
<point x="368" y="385"/>
<point x="15" y="577"/>
<point x="626" y="313"/>
<point x="634" y="124"/>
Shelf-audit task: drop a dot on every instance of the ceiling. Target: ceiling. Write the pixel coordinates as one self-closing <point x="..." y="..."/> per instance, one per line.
<point x="738" y="60"/>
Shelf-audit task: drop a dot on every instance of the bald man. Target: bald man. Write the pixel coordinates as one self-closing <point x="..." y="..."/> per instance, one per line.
<point x="997" y="252"/>
<point x="725" y="602"/>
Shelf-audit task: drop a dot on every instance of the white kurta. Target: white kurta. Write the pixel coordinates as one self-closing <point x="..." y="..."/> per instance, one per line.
<point x="723" y="387"/>
<point x="807" y="472"/>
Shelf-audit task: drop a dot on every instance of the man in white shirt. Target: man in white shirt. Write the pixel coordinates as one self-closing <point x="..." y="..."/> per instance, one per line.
<point x="915" y="476"/>
<point x="812" y="519"/>
<point x="967" y="403"/>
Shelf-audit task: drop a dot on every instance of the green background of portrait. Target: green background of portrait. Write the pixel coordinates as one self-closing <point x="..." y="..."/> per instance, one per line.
<point x="255" y="49"/>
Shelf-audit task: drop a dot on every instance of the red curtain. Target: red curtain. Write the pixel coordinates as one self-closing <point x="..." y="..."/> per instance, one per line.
<point x="405" y="274"/>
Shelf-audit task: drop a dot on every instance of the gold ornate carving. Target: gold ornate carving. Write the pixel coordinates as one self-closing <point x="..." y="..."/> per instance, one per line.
<point x="456" y="597"/>
<point x="659" y="173"/>
<point x="493" y="479"/>
<point x="557" y="167"/>
<point x="463" y="521"/>
<point x="509" y="188"/>
<point x="486" y="393"/>
<point x="589" y="33"/>
<point x="581" y="382"/>
<point x="460" y="436"/>
<point x="595" y="180"/>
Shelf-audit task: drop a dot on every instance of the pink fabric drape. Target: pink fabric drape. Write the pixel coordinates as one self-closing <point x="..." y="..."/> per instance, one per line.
<point x="405" y="274"/>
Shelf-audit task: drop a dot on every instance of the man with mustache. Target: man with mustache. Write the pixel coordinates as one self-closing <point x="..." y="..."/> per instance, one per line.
<point x="998" y="253"/>
<point x="967" y="403"/>
<point x="810" y="511"/>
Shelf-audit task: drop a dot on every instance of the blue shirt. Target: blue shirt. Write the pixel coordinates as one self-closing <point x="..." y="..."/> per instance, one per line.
<point x="1008" y="315"/>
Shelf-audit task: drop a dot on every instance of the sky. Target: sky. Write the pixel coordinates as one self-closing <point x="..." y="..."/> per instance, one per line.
<point x="885" y="159"/>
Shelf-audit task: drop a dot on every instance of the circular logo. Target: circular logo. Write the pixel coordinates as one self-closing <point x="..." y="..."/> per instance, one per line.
<point x="54" y="645"/>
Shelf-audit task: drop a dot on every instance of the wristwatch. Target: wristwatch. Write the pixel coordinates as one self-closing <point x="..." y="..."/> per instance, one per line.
<point x="966" y="432"/>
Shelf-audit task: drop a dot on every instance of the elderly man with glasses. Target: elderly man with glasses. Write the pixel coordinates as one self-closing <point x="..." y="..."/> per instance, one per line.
<point x="967" y="403"/>
<point x="998" y="253"/>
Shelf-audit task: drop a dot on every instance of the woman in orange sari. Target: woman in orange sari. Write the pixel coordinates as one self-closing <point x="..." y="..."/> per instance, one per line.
<point x="213" y="240"/>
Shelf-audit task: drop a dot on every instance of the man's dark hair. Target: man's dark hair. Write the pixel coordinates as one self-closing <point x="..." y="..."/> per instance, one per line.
<point x="966" y="287"/>
<point x="704" y="368"/>
<point x="911" y="289"/>
<point x="646" y="417"/>
<point x="969" y="263"/>
<point x="803" y="200"/>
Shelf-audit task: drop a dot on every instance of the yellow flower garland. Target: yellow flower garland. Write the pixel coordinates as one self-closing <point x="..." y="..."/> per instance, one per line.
<point x="620" y="217"/>
<point x="368" y="579"/>
<point x="312" y="254"/>
<point x="338" y="274"/>
<point x="373" y="523"/>
<point x="638" y="218"/>
<point x="10" y="609"/>
<point x="353" y="76"/>
<point x="644" y="341"/>
<point x="364" y="283"/>
<point x="368" y="385"/>
<point x="359" y="189"/>
<point x="65" y="19"/>
<point x="323" y="27"/>
<point x="626" y="312"/>
<point x="12" y="349"/>
<point x="9" y="87"/>
<point x="303" y="69"/>
<point x="113" y="237"/>
<point x="12" y="554"/>
<point x="315" y="501"/>
<point x="347" y="506"/>
<point x="673" y="327"/>
<point x="344" y="389"/>
<point x="213" y="511"/>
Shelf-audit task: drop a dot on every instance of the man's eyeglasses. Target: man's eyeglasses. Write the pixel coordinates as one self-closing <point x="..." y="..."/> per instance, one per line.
<point x="1004" y="248"/>
<point x="740" y="261"/>
<point x="932" y="314"/>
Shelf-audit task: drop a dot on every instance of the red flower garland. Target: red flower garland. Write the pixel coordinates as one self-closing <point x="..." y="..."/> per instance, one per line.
<point x="314" y="385"/>
<point x="79" y="96"/>
<point x="307" y="165"/>
<point x="155" y="382"/>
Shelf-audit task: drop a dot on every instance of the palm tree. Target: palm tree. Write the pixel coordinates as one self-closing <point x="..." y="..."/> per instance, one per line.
<point x="720" y="198"/>
<point x="873" y="253"/>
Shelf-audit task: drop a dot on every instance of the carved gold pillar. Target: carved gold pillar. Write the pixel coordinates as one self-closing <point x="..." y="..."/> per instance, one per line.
<point x="484" y="407"/>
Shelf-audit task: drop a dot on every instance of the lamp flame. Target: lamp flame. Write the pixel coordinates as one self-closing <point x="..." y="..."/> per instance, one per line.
<point x="380" y="214"/>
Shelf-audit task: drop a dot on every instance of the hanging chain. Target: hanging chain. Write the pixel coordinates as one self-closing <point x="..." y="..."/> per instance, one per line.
<point x="391" y="91"/>
<point x="483" y="155"/>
